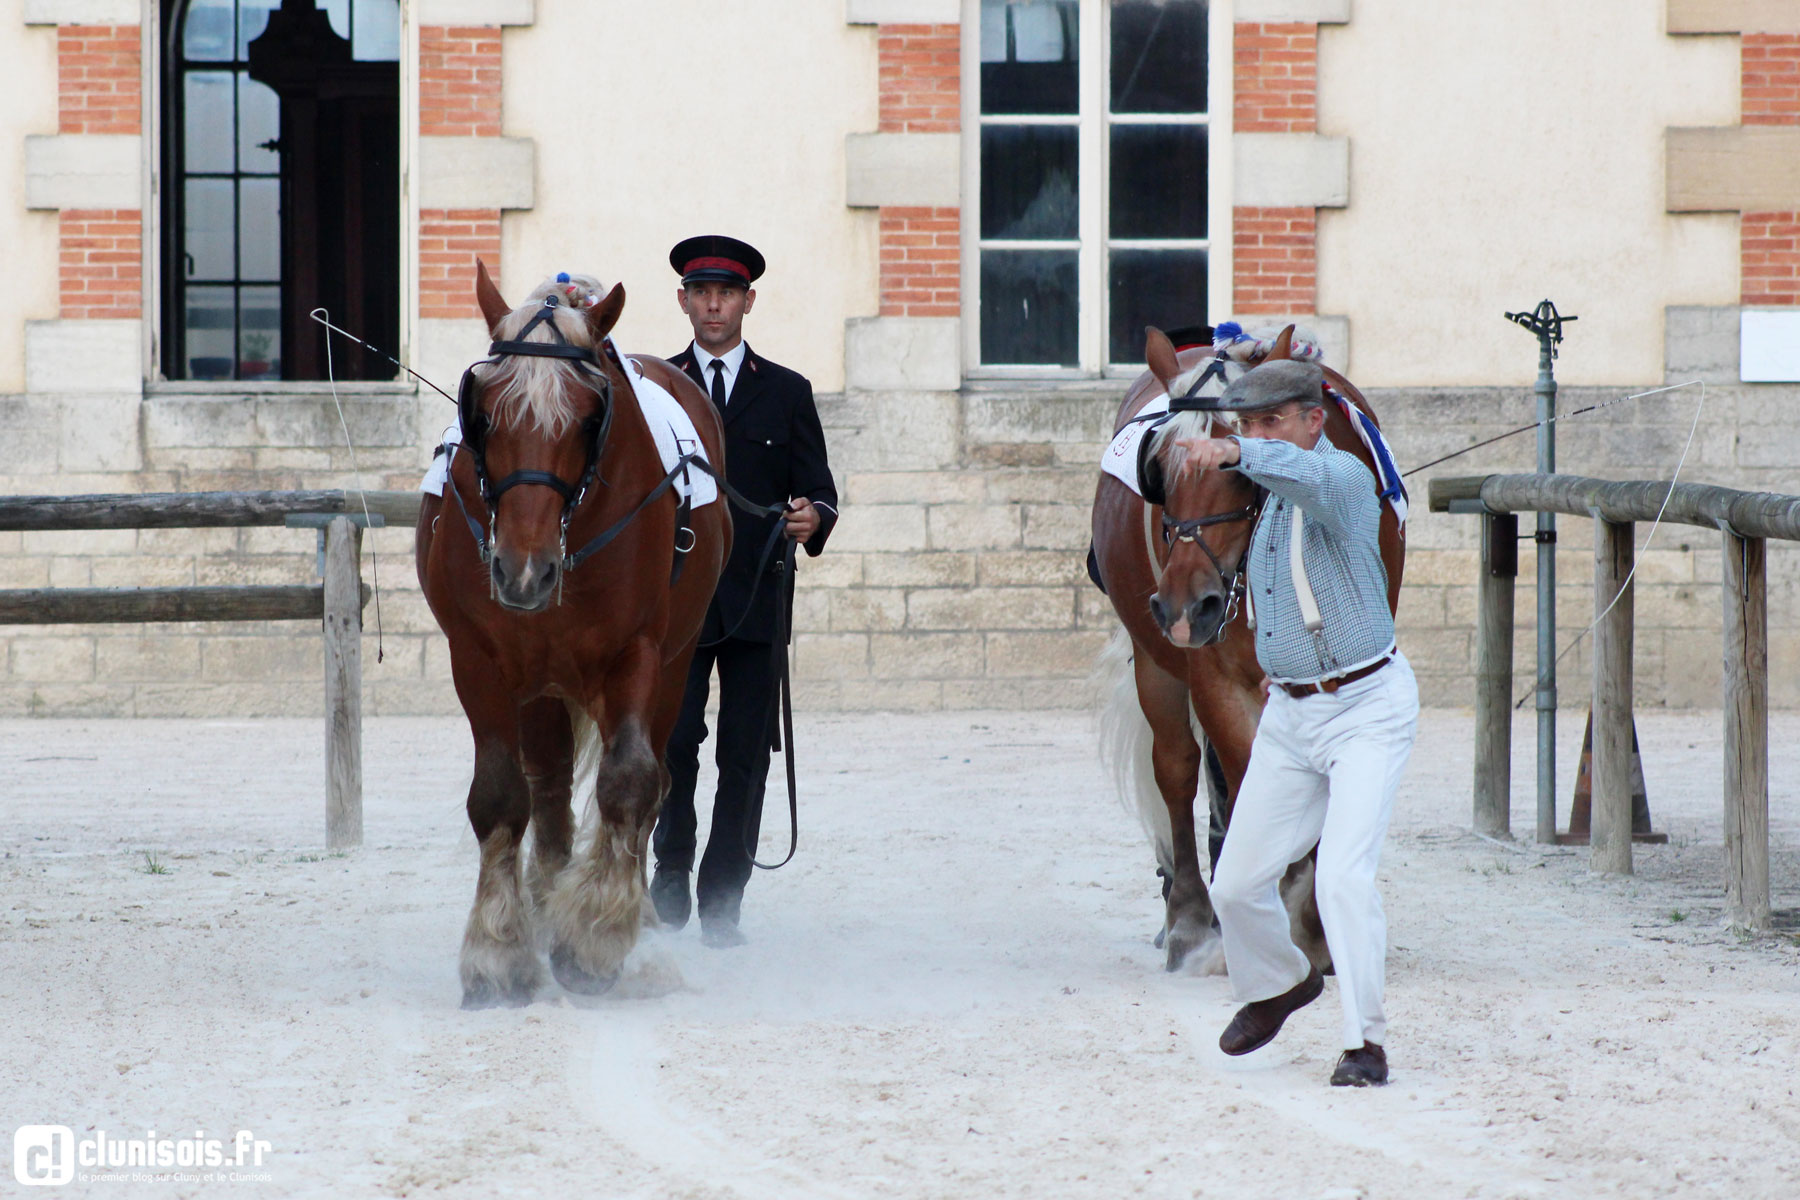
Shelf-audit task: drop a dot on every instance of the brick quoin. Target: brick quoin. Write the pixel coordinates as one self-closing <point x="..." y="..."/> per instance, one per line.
<point x="1275" y="263"/>
<point x="1275" y="77"/>
<point x="1769" y="242"/>
<point x="459" y="96"/>
<point x="99" y="82"/>
<point x="920" y="91"/>
<point x="1275" y="258"/>
<point x="101" y="268"/>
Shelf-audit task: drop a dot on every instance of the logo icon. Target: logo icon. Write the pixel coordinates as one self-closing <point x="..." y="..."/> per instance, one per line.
<point x="44" y="1154"/>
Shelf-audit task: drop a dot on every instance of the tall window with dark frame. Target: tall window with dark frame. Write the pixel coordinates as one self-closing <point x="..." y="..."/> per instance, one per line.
<point x="281" y="185"/>
<point x="1129" y="240"/>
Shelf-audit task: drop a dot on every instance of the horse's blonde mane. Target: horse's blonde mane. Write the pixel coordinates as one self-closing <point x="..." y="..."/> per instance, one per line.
<point x="1166" y="439"/>
<point x="539" y="393"/>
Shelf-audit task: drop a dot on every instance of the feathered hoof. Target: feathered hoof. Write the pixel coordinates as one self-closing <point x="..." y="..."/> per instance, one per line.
<point x="497" y="976"/>
<point x="1182" y="940"/>
<point x="578" y="979"/>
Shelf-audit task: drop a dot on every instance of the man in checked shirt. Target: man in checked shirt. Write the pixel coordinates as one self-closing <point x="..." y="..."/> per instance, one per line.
<point x="1336" y="732"/>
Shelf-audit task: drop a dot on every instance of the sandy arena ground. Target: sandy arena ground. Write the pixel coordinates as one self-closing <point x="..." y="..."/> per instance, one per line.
<point x="950" y="993"/>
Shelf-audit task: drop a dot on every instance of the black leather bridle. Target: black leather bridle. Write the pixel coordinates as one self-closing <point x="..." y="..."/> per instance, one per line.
<point x="1236" y="581"/>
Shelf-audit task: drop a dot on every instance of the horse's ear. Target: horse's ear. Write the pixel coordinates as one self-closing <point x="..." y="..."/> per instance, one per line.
<point x="604" y="315"/>
<point x="493" y="306"/>
<point x="1283" y="347"/>
<point x="1159" y="356"/>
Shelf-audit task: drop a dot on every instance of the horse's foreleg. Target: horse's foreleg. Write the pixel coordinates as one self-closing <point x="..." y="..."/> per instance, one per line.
<point x="597" y="905"/>
<point x="1175" y="762"/>
<point x="499" y="964"/>
<point x="547" y="753"/>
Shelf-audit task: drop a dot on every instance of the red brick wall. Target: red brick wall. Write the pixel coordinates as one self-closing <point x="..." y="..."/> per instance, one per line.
<point x="920" y="92"/>
<point x="1769" y="242"/>
<point x="102" y="263"/>
<point x="459" y="96"/>
<point x="1275" y="76"/>
<point x="98" y="79"/>
<point x="1275" y="260"/>
<point x="99" y="89"/>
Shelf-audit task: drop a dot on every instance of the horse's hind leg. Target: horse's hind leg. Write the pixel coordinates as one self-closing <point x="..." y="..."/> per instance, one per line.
<point x="1302" y="902"/>
<point x="547" y="755"/>
<point x="1175" y="761"/>
<point x="499" y="964"/>
<point x="597" y="905"/>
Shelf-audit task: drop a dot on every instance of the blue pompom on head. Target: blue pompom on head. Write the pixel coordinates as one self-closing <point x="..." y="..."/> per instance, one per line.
<point x="1227" y="331"/>
<point x="562" y="277"/>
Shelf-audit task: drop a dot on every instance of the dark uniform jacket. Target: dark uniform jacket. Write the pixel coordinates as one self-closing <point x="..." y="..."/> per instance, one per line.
<point x="774" y="449"/>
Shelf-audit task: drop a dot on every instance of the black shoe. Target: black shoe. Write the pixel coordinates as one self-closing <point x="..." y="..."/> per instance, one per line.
<point x="1366" y="1067"/>
<point x="669" y="892"/>
<point x="719" y="921"/>
<point x="1257" y="1023"/>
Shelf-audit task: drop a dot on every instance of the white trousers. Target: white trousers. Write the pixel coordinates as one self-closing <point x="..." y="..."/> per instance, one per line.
<point x="1323" y="768"/>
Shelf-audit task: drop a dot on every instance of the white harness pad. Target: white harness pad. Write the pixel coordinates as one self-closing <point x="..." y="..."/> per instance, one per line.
<point x="669" y="424"/>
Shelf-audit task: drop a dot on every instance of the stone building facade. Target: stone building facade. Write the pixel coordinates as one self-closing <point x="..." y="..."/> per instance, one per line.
<point x="1395" y="184"/>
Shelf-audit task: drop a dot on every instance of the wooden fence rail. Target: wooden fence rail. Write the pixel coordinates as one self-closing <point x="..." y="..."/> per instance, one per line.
<point x="1745" y="520"/>
<point x="339" y="518"/>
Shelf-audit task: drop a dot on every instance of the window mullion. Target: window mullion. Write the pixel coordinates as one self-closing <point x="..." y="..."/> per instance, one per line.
<point x="1091" y="262"/>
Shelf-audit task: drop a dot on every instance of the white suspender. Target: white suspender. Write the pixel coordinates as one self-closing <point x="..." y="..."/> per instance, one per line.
<point x="1309" y="604"/>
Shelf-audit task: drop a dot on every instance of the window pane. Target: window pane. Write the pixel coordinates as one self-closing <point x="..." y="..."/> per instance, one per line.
<point x="209" y="229"/>
<point x="377" y="36"/>
<point x="210" y="329"/>
<point x="1158" y="181"/>
<point x="1029" y="55"/>
<point x="259" y="343"/>
<point x="1164" y="288"/>
<point x="206" y="33"/>
<point x="259" y="224"/>
<point x="206" y="121"/>
<point x="1028" y="307"/>
<point x="1028" y="176"/>
<point x="253" y="18"/>
<point x="1158" y="56"/>
<point x="259" y="121"/>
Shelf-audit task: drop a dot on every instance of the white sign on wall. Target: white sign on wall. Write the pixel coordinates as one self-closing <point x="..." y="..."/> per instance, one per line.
<point x="1769" y="346"/>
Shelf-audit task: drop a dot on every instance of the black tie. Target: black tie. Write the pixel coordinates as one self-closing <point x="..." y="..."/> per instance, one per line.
<point x="718" y="370"/>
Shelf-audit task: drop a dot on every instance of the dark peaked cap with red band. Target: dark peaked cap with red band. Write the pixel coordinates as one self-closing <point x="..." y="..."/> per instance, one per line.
<point x="716" y="257"/>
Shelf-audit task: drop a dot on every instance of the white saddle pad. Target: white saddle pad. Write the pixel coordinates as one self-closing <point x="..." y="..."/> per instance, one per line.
<point x="669" y="424"/>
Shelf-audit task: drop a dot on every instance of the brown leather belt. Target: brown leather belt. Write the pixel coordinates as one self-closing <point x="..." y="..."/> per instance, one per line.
<point x="1297" y="690"/>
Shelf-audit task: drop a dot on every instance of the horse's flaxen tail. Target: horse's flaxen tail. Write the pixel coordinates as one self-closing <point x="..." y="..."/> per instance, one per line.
<point x="1125" y="740"/>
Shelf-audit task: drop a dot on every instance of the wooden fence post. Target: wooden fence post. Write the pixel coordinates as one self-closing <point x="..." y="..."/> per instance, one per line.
<point x="1746" y="733"/>
<point x="1610" y="842"/>
<point x="1494" y="674"/>
<point x="343" y="684"/>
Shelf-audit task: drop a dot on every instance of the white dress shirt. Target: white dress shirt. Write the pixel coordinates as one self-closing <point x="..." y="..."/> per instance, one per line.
<point x="733" y="360"/>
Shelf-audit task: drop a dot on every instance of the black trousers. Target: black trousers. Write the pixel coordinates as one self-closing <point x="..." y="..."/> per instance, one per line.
<point x="741" y="750"/>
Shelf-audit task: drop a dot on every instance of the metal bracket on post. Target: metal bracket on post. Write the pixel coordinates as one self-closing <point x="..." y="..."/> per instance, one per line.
<point x="320" y="521"/>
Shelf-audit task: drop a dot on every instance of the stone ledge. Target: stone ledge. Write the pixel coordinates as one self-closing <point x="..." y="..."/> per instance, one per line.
<point x="83" y="170"/>
<point x="903" y="353"/>
<point x="902" y="12"/>
<point x="1286" y="170"/>
<point x="84" y="356"/>
<point x="1700" y="342"/>
<point x="462" y="13"/>
<point x="1319" y="12"/>
<point x="82" y="12"/>
<point x="908" y="169"/>
<point x="1731" y="16"/>
<point x="1732" y="168"/>
<point x="477" y="172"/>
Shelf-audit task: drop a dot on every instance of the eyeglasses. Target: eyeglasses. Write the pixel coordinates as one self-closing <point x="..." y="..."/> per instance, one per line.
<point x="1256" y="424"/>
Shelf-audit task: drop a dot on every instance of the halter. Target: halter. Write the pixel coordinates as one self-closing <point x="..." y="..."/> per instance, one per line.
<point x="572" y="493"/>
<point x="1235" y="583"/>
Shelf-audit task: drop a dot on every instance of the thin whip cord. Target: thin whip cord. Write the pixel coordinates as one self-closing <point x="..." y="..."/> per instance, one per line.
<point x="362" y="492"/>
<point x="1553" y="420"/>
<point x="323" y="317"/>
<point x="1661" y="509"/>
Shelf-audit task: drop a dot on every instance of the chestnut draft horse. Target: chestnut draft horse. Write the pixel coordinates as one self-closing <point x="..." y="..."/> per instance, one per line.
<point x="550" y="563"/>
<point x="1168" y="583"/>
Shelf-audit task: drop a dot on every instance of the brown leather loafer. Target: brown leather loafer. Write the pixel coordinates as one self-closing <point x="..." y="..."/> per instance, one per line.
<point x="1257" y="1023"/>
<point x="1366" y="1067"/>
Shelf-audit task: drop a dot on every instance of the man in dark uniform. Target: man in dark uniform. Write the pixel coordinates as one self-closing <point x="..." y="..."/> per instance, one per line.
<point x="774" y="454"/>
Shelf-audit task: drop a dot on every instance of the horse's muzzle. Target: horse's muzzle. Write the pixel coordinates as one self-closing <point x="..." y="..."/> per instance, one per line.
<point x="1200" y="623"/>
<point x="529" y="586"/>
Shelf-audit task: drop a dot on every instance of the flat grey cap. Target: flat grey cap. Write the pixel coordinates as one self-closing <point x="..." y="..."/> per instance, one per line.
<point x="1273" y="384"/>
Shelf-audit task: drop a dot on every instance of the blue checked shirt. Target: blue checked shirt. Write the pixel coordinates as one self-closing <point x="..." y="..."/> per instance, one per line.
<point x="1341" y="546"/>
